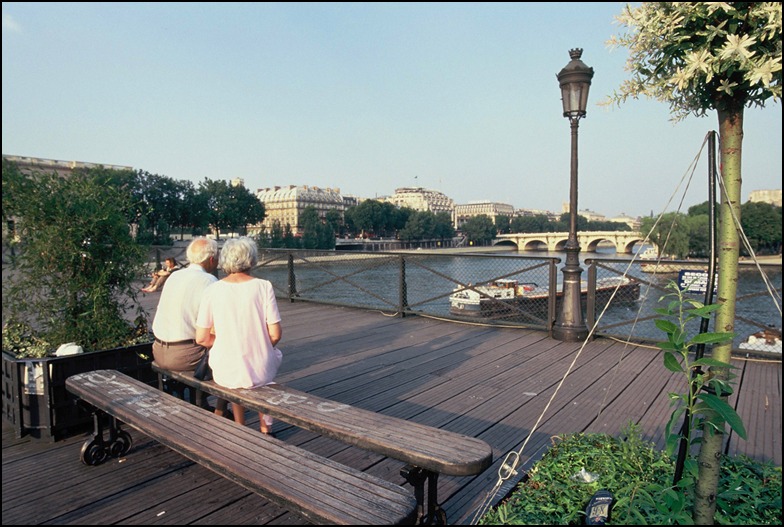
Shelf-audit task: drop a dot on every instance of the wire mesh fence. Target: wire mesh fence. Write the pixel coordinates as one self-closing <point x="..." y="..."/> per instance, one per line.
<point x="618" y="295"/>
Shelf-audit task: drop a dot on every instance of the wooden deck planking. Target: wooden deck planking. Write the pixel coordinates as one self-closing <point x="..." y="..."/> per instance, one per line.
<point x="490" y="383"/>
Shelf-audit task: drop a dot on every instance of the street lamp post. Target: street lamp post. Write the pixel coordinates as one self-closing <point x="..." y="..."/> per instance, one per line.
<point x="575" y="80"/>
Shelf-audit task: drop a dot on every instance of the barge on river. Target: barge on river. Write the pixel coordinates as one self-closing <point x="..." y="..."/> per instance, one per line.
<point x="507" y="296"/>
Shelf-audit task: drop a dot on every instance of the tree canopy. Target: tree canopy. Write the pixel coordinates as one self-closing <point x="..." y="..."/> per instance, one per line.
<point x="702" y="56"/>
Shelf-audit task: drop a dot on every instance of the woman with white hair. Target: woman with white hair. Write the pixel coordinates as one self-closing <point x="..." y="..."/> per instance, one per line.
<point x="239" y="320"/>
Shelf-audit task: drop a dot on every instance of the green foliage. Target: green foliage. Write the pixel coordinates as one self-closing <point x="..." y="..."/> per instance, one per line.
<point x="20" y="340"/>
<point x="761" y="223"/>
<point x="77" y="262"/>
<point x="639" y="478"/>
<point x="701" y="56"/>
<point x="669" y="233"/>
<point x="542" y="223"/>
<point x="705" y="396"/>
<point x="316" y="234"/>
<point x="479" y="229"/>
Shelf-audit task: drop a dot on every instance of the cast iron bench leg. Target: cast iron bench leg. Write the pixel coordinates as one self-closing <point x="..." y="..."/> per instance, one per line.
<point x="95" y="450"/>
<point x="417" y="477"/>
<point x="176" y="388"/>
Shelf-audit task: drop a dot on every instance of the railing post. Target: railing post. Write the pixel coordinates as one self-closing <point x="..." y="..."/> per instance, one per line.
<point x="292" y="278"/>
<point x="590" y="305"/>
<point x="552" y="299"/>
<point x="403" y="302"/>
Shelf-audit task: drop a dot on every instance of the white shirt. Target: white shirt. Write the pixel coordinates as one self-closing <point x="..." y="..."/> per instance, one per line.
<point x="242" y="355"/>
<point x="175" y="317"/>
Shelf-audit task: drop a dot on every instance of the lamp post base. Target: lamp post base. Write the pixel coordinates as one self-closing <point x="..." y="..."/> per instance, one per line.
<point x="569" y="325"/>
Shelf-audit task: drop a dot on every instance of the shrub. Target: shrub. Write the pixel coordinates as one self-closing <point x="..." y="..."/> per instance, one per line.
<point x="76" y="262"/>
<point x="640" y="479"/>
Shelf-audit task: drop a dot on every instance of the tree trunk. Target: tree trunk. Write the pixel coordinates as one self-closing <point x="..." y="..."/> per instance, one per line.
<point x="731" y="137"/>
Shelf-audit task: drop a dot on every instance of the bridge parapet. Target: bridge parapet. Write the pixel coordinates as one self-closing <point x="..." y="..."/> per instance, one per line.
<point x="555" y="241"/>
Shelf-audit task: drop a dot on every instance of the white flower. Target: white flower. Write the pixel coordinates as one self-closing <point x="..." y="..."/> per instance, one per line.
<point x="737" y="45"/>
<point x="726" y="86"/>
<point x="763" y="73"/>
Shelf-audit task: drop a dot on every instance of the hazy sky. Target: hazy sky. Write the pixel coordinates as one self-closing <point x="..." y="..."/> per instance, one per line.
<point x="461" y="98"/>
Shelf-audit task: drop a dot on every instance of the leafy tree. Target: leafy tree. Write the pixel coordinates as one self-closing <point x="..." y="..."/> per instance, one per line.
<point x="443" y="227"/>
<point x="502" y="224"/>
<point x="276" y="235"/>
<point x="479" y="229"/>
<point x="702" y="208"/>
<point x="191" y="213"/>
<point x="762" y="224"/>
<point x="699" y="235"/>
<point x="366" y="217"/>
<point x="335" y="220"/>
<point x="420" y="226"/>
<point x="316" y="234"/>
<point x="289" y="240"/>
<point x="532" y="224"/>
<point x="699" y="57"/>
<point x="161" y="202"/>
<point x="670" y="235"/>
<point x="77" y="261"/>
<point x="230" y="207"/>
<point x="218" y="200"/>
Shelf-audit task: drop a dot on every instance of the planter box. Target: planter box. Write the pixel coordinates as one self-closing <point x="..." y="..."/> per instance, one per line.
<point x="35" y="401"/>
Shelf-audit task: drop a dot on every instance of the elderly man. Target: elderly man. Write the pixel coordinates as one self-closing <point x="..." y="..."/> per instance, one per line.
<point x="174" y="325"/>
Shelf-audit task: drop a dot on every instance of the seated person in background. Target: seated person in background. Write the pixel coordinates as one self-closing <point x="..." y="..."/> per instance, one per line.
<point x="160" y="276"/>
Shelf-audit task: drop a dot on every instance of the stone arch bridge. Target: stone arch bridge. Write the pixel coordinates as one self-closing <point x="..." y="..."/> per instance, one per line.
<point x="556" y="241"/>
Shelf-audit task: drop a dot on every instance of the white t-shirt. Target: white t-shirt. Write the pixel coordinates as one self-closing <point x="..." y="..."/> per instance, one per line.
<point x="243" y="355"/>
<point x="175" y="316"/>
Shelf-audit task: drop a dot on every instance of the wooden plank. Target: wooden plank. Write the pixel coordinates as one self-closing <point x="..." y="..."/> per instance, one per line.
<point x="59" y="488"/>
<point x="424" y="446"/>
<point x="294" y="478"/>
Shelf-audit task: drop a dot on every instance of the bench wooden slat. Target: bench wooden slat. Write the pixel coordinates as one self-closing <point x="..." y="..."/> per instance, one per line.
<point x="430" y="448"/>
<point x="317" y="488"/>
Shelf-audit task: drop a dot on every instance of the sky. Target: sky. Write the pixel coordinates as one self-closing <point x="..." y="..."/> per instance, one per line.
<point x="461" y="98"/>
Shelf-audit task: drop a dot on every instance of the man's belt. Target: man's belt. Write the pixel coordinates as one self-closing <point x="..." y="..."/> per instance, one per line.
<point x="175" y="343"/>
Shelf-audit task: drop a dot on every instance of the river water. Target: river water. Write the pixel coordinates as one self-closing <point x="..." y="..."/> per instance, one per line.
<point x="372" y="280"/>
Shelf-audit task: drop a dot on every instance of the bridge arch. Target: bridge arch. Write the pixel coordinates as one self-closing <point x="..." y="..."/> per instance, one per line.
<point x="624" y="241"/>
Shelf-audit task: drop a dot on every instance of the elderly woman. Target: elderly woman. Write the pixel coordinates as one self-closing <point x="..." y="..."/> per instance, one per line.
<point x="239" y="319"/>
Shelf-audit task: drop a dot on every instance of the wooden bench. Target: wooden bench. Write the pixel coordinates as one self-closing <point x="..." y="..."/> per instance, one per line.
<point x="317" y="488"/>
<point x="427" y="451"/>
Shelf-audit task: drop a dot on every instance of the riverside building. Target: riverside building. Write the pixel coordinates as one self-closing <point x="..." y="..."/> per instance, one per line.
<point x="286" y="204"/>
<point x="491" y="209"/>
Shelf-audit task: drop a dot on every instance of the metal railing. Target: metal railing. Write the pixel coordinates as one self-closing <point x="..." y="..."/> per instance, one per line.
<point x="426" y="282"/>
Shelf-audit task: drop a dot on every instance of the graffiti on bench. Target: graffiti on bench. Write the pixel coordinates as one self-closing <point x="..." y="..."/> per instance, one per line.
<point x="129" y="395"/>
<point x="290" y="399"/>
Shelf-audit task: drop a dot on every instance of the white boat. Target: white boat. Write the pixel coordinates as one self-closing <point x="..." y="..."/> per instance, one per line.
<point x="768" y="340"/>
<point x="504" y="296"/>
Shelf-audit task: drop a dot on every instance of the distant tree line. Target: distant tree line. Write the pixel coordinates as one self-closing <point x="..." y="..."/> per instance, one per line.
<point x="160" y="208"/>
<point x="687" y="235"/>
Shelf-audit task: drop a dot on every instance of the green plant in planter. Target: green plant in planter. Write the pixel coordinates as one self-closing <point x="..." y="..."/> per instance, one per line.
<point x="705" y="396"/>
<point x="75" y="263"/>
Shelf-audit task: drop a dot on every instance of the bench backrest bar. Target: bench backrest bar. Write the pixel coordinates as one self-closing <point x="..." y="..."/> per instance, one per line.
<point x="319" y="489"/>
<point x="424" y="446"/>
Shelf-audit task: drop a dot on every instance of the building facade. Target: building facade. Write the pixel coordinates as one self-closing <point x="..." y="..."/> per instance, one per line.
<point x="286" y="204"/>
<point x="421" y="199"/>
<point x="38" y="164"/>
<point x="766" y="196"/>
<point x="491" y="209"/>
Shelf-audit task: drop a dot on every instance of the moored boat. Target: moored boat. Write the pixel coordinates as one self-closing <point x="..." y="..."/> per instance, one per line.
<point x="504" y="296"/>
<point x="768" y="340"/>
